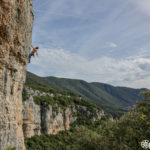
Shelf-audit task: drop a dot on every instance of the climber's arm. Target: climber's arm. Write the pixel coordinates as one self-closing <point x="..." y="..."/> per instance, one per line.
<point x="36" y="53"/>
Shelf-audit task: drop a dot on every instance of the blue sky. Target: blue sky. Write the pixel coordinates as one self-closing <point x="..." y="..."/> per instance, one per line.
<point x="94" y="40"/>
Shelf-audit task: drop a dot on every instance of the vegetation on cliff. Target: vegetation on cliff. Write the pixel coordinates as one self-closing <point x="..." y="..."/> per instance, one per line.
<point x="112" y="99"/>
<point x="10" y="148"/>
<point x="63" y="99"/>
<point x="127" y="133"/>
<point x="42" y="88"/>
<point x="66" y="140"/>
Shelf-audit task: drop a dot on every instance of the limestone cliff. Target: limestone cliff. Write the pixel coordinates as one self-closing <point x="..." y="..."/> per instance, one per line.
<point x="50" y="119"/>
<point x="16" y="18"/>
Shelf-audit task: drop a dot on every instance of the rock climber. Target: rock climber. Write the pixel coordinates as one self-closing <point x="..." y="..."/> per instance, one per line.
<point x="34" y="50"/>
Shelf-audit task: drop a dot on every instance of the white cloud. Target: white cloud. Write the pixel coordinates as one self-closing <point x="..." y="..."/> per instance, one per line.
<point x="143" y="5"/>
<point x="72" y="25"/>
<point x="61" y="63"/>
<point x="111" y="44"/>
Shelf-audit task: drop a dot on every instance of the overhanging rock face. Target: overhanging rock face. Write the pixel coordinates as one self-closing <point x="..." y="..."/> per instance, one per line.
<point x="16" y="19"/>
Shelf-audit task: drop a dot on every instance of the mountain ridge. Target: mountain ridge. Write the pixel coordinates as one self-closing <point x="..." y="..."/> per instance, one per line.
<point x="105" y="95"/>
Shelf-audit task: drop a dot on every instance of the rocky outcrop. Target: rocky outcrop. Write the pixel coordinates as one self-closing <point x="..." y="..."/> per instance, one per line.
<point x="48" y="119"/>
<point x="16" y="18"/>
<point x="38" y="119"/>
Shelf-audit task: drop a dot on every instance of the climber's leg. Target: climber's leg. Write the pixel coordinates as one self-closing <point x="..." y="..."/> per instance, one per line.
<point x="29" y="57"/>
<point x="31" y="54"/>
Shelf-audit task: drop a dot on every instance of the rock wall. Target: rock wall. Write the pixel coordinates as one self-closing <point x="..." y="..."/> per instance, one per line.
<point x="16" y="18"/>
<point x="40" y="119"/>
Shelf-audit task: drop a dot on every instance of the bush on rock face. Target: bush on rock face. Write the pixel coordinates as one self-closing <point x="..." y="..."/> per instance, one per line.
<point x="11" y="148"/>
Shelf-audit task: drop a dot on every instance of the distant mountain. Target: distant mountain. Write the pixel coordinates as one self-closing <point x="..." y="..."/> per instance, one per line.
<point x="108" y="97"/>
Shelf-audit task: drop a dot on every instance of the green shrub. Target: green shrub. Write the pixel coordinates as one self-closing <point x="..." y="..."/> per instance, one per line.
<point x="62" y="98"/>
<point x="25" y="96"/>
<point x="124" y="134"/>
<point x="10" y="148"/>
<point x="43" y="88"/>
<point x="65" y="101"/>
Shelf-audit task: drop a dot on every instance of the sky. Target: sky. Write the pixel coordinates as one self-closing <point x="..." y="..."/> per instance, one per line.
<point x="93" y="40"/>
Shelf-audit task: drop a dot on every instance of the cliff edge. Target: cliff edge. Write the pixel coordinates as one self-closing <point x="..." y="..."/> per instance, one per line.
<point x="49" y="111"/>
<point x="16" y="19"/>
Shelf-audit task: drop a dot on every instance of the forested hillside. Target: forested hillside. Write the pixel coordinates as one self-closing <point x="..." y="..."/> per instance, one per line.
<point x="127" y="133"/>
<point x="114" y="100"/>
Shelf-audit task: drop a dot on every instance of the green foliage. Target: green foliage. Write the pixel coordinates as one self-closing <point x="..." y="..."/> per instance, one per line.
<point x="112" y="99"/>
<point x="123" y="134"/>
<point x="49" y="142"/>
<point x="87" y="122"/>
<point x="128" y="132"/>
<point x="39" y="87"/>
<point x="64" y="101"/>
<point x="25" y="96"/>
<point x="43" y="88"/>
<point x="114" y="111"/>
<point x="10" y="148"/>
<point x="65" y="140"/>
